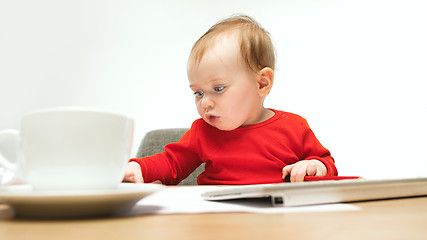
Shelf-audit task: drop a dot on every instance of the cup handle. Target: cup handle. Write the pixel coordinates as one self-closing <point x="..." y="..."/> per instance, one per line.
<point x="4" y="136"/>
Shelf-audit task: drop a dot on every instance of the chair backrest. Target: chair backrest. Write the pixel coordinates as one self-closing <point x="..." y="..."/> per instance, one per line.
<point x="155" y="141"/>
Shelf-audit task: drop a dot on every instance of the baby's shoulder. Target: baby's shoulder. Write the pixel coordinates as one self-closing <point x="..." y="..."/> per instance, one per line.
<point x="288" y="116"/>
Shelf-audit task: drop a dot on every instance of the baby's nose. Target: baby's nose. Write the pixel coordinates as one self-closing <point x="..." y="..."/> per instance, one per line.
<point x="207" y="102"/>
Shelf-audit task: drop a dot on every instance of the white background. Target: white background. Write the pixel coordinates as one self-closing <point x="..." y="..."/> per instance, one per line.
<point x="356" y="70"/>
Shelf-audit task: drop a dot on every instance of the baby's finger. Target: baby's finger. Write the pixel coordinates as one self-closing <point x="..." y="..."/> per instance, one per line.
<point x="286" y="171"/>
<point x="298" y="173"/>
<point x="138" y="176"/>
<point x="311" y="169"/>
<point x="128" y="178"/>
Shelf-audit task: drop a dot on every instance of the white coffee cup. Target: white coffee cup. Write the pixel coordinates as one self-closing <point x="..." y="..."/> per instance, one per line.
<point x="70" y="149"/>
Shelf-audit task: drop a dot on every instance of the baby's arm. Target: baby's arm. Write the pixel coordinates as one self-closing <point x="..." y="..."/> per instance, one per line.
<point x="133" y="173"/>
<point x="299" y="170"/>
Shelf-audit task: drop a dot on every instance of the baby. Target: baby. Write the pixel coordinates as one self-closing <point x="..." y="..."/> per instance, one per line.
<point x="231" y="71"/>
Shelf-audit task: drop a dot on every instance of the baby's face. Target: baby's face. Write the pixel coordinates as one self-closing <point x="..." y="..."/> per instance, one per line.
<point x="226" y="91"/>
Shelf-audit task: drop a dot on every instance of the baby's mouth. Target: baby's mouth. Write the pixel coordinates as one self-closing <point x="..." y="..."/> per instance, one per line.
<point x="212" y="119"/>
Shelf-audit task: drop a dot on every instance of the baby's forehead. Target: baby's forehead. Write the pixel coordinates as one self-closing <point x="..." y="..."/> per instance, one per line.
<point x="227" y="41"/>
<point x="226" y="38"/>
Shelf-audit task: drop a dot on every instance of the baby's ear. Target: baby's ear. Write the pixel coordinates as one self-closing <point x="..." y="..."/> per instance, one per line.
<point x="265" y="81"/>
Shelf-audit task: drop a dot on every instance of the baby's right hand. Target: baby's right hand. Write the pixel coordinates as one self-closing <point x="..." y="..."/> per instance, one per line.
<point x="133" y="173"/>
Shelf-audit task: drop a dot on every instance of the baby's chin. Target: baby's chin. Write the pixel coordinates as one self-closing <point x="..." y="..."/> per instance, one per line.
<point x="218" y="125"/>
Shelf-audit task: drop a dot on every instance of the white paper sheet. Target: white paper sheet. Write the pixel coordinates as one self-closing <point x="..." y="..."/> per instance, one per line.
<point x="187" y="200"/>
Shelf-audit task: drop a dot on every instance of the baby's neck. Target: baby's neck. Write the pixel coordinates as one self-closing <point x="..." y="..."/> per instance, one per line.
<point x="266" y="114"/>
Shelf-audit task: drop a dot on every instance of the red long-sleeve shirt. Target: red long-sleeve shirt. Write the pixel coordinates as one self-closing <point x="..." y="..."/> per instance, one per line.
<point x="251" y="154"/>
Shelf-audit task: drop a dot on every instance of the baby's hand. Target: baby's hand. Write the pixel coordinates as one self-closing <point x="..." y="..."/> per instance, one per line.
<point x="299" y="170"/>
<point x="133" y="173"/>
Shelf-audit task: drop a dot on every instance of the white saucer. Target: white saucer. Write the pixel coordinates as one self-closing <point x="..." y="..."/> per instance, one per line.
<point x="65" y="204"/>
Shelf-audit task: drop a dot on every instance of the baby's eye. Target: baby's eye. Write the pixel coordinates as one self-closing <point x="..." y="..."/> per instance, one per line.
<point x="219" y="89"/>
<point x="198" y="93"/>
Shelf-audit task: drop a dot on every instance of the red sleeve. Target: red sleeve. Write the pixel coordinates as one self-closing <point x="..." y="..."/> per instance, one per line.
<point x="313" y="149"/>
<point x="174" y="164"/>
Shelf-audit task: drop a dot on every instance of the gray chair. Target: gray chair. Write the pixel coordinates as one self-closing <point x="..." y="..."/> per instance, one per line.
<point x="155" y="141"/>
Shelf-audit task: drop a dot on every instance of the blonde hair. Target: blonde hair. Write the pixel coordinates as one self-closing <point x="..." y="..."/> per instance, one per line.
<point x="256" y="48"/>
